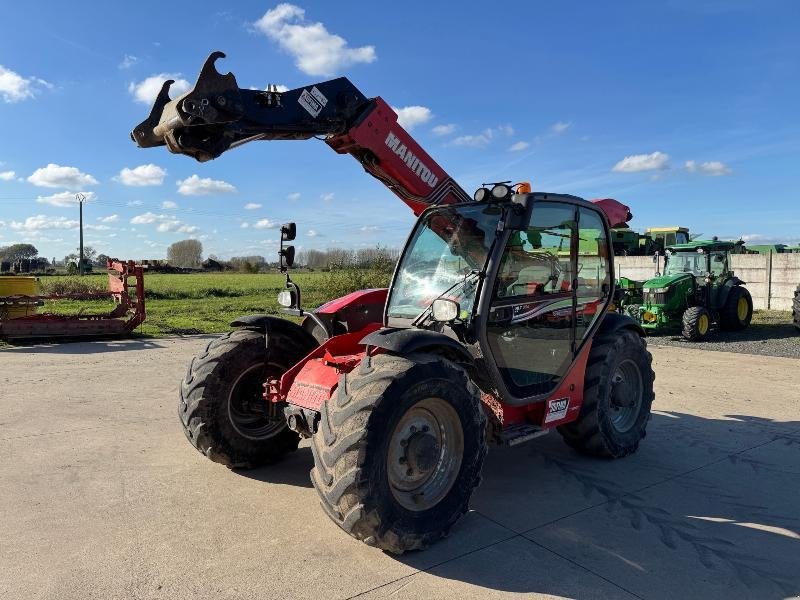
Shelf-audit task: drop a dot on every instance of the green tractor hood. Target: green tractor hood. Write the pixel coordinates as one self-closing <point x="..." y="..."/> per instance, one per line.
<point x="666" y="281"/>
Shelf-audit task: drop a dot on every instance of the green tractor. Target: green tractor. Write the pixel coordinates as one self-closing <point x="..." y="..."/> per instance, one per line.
<point x="696" y="291"/>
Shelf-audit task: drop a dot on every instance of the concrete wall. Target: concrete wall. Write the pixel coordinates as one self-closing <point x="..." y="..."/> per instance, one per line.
<point x="770" y="278"/>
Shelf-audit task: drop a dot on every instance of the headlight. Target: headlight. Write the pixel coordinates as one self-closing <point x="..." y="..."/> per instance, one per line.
<point x="657" y="290"/>
<point x="501" y="191"/>
<point x="445" y="310"/>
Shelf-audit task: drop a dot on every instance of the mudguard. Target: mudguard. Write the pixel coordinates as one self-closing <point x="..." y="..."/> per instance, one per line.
<point x="407" y="341"/>
<point x="266" y="323"/>
<point x="615" y="321"/>
<point x="726" y="289"/>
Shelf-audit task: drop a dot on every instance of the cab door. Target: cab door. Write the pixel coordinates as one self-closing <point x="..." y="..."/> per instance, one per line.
<point x="552" y="283"/>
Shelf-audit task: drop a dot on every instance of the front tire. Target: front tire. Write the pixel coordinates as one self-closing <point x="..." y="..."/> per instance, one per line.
<point x="222" y="409"/>
<point x="738" y="310"/>
<point x="617" y="396"/>
<point x="696" y="323"/>
<point x="399" y="450"/>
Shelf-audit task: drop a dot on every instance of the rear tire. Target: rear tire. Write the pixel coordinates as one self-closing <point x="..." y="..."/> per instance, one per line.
<point x="696" y="323"/>
<point x="384" y="480"/>
<point x="221" y="406"/>
<point x="796" y="308"/>
<point x="617" y="396"/>
<point x="738" y="310"/>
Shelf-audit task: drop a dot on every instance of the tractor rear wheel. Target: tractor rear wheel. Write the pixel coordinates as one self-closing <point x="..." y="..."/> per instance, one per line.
<point x="738" y="310"/>
<point x="796" y="308"/>
<point x="617" y="395"/>
<point x="399" y="450"/>
<point x="222" y="408"/>
<point x="696" y="323"/>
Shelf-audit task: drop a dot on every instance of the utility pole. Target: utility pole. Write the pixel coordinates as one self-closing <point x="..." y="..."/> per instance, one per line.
<point x="80" y="198"/>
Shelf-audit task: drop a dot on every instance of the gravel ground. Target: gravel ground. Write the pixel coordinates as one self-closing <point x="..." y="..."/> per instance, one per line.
<point x="770" y="334"/>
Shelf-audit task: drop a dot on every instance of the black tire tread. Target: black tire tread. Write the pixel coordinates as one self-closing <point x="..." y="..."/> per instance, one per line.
<point x="796" y="308"/>
<point x="342" y="441"/>
<point x="689" y="322"/>
<point x="586" y="434"/>
<point x="729" y="316"/>
<point x="199" y="401"/>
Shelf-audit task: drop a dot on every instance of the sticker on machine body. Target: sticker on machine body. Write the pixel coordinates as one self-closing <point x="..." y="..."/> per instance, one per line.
<point x="313" y="101"/>
<point x="556" y="409"/>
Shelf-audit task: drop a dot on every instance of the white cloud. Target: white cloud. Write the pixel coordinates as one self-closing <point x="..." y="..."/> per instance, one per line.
<point x="143" y="175"/>
<point x="441" y="130"/>
<point x="327" y="197"/>
<point x="483" y="138"/>
<point x="163" y="223"/>
<point x="252" y="206"/>
<point x="43" y="222"/>
<point x="15" y="88"/>
<point x="65" y="199"/>
<point x="634" y="163"/>
<point x="146" y="218"/>
<point x="169" y="205"/>
<point x="272" y="87"/>
<point x="559" y="127"/>
<point x="109" y="219"/>
<point x="519" y="146"/>
<point x="712" y="168"/>
<point x="244" y="225"/>
<point x="7" y="175"/>
<point x="312" y="233"/>
<point x="316" y="51"/>
<point x="411" y="116"/>
<point x="294" y="196"/>
<point x="146" y="91"/>
<point x="54" y="175"/>
<point x="195" y="186"/>
<point x="265" y="224"/>
<point x="134" y="203"/>
<point x="370" y="229"/>
<point x="128" y="61"/>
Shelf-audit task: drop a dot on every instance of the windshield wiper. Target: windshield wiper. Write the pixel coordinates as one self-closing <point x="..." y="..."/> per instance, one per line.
<point x="420" y="318"/>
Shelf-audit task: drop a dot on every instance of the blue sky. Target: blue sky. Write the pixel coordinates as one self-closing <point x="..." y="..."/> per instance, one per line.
<point x="686" y="111"/>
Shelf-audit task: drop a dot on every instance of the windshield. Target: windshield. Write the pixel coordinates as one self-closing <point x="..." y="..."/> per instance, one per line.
<point x="448" y="245"/>
<point x="686" y="262"/>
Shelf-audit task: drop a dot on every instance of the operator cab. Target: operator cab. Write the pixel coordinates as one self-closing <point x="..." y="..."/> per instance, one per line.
<point x="706" y="260"/>
<point x="520" y="279"/>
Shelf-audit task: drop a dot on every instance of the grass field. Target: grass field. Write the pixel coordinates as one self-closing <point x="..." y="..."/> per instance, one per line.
<point x="208" y="302"/>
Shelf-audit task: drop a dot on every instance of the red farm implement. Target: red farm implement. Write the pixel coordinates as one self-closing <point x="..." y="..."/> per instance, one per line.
<point x="125" y="289"/>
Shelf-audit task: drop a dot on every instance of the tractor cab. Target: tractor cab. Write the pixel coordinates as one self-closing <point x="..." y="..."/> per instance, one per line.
<point x="663" y="237"/>
<point x="707" y="261"/>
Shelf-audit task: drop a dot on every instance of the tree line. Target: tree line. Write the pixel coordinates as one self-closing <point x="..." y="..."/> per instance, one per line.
<point x="188" y="254"/>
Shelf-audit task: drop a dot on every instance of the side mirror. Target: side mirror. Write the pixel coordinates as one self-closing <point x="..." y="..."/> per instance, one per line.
<point x="444" y="310"/>
<point x="287" y="298"/>
<point x="719" y="258"/>
<point x="288" y="232"/>
<point x="287" y="256"/>
<point x="655" y="257"/>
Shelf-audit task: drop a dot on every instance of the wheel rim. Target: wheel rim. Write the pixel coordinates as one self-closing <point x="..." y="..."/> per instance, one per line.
<point x="248" y="411"/>
<point x="741" y="308"/>
<point x="627" y="392"/>
<point x="702" y="324"/>
<point x="425" y="453"/>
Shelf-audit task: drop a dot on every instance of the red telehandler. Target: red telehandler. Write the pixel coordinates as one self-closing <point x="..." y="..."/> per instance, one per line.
<point x="495" y="329"/>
